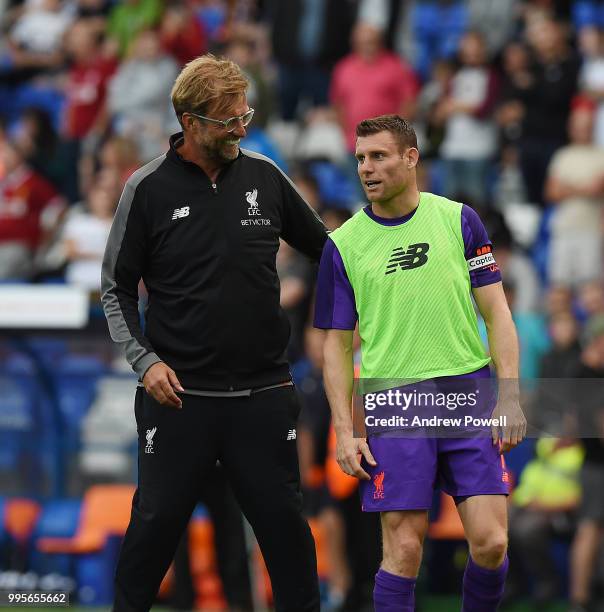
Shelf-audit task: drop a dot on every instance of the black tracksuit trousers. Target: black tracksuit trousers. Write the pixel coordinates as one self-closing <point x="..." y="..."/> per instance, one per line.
<point x="249" y="436"/>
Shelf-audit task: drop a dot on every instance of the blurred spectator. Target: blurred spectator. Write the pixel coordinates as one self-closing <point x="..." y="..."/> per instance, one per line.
<point x="308" y="187"/>
<point x="516" y="268"/>
<point x="334" y="217"/>
<point x="388" y="83"/>
<point x="542" y="507"/>
<point x="93" y="8"/>
<point x="558" y="300"/>
<point x="35" y="39"/>
<point x="588" y="537"/>
<point x="532" y="333"/>
<point x="85" y="114"/>
<point x="181" y="32"/>
<point x="544" y="102"/>
<point x="509" y="186"/>
<point x="563" y="358"/>
<point x="84" y="238"/>
<point x="388" y="86"/>
<point x="470" y="136"/>
<point x="130" y="17"/>
<point x="591" y="78"/>
<point x="322" y="139"/>
<point x="309" y="37"/>
<point x="260" y="95"/>
<point x="494" y="20"/>
<point x="42" y="147"/>
<point x="295" y="274"/>
<point x="559" y="9"/>
<point x="555" y="400"/>
<point x="429" y="129"/>
<point x="119" y="157"/>
<point x="29" y="212"/>
<point x="516" y="78"/>
<point x="591" y="299"/>
<point x="139" y="96"/>
<point x="575" y="184"/>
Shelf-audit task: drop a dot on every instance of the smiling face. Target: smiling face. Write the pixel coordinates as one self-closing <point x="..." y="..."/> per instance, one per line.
<point x="211" y="139"/>
<point x="385" y="169"/>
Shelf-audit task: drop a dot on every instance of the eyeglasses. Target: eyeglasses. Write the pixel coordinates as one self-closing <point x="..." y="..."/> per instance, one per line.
<point x="229" y="124"/>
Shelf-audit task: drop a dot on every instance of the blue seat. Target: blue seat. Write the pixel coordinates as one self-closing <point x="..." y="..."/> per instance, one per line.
<point x="15" y="99"/>
<point x="517" y="458"/>
<point x="437" y="30"/>
<point x="335" y="188"/>
<point x="59" y="518"/>
<point x="76" y="378"/>
<point x="257" y="141"/>
<point x="454" y="22"/>
<point x="585" y="13"/>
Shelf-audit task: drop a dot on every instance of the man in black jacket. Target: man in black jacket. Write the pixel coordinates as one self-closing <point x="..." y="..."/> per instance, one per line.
<point x="201" y="226"/>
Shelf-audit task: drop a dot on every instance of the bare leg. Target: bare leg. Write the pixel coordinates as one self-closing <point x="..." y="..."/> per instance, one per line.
<point x="582" y="558"/>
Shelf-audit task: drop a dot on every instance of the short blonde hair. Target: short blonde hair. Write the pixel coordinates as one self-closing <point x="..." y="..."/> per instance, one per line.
<point x="206" y="80"/>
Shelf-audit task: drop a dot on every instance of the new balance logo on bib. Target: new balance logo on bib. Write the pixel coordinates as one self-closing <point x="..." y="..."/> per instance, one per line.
<point x="414" y="257"/>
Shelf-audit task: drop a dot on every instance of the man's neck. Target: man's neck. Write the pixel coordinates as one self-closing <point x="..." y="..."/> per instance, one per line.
<point x="399" y="206"/>
<point x="191" y="154"/>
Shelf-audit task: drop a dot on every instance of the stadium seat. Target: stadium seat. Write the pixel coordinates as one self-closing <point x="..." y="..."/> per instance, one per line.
<point x="20" y="516"/>
<point x="257" y="140"/>
<point x="59" y="518"/>
<point x="103" y="521"/>
<point x="585" y="13"/>
<point x="105" y="512"/>
<point x="76" y="378"/>
<point x="334" y="186"/>
<point x="437" y="29"/>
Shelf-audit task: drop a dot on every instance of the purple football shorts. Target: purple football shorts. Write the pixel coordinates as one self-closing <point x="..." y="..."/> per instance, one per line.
<point x="410" y="469"/>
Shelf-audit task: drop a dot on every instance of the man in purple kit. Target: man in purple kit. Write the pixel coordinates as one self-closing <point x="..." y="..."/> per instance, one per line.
<point x="406" y="267"/>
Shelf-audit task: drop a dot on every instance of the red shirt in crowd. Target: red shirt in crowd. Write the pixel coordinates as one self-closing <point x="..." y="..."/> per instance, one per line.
<point x="25" y="197"/>
<point x="363" y="89"/>
<point x="86" y="90"/>
<point x="186" y="44"/>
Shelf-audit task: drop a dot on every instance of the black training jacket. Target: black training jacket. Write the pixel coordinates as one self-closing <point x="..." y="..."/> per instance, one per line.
<point x="206" y="253"/>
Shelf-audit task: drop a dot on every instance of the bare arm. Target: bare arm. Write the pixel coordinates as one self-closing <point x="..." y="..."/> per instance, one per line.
<point x="557" y="190"/>
<point x="338" y="377"/>
<point x="503" y="344"/>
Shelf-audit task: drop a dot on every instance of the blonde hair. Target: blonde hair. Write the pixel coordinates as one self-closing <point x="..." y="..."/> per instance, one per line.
<point x="205" y="80"/>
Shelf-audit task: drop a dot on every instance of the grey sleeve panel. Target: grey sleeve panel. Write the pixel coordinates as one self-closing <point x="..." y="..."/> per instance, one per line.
<point x="144" y="363"/>
<point x="126" y="333"/>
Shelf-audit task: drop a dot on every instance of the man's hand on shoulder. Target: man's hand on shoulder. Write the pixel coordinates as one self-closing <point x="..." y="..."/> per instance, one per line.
<point x="161" y="384"/>
<point x="348" y="450"/>
<point x="514" y="430"/>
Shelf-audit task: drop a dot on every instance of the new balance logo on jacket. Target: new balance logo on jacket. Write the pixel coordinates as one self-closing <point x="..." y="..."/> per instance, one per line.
<point x="179" y="213"/>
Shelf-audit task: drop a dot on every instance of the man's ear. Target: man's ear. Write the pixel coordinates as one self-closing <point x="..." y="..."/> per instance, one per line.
<point x="412" y="157"/>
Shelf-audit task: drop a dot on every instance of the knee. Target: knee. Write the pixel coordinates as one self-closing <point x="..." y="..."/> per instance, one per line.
<point x="403" y="538"/>
<point x="489" y="549"/>
<point x="403" y="557"/>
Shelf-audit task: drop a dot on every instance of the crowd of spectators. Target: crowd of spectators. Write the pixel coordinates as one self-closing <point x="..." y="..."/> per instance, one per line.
<point x="507" y="98"/>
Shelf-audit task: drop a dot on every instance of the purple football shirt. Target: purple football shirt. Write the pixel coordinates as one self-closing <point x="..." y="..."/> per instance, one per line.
<point x="335" y="306"/>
